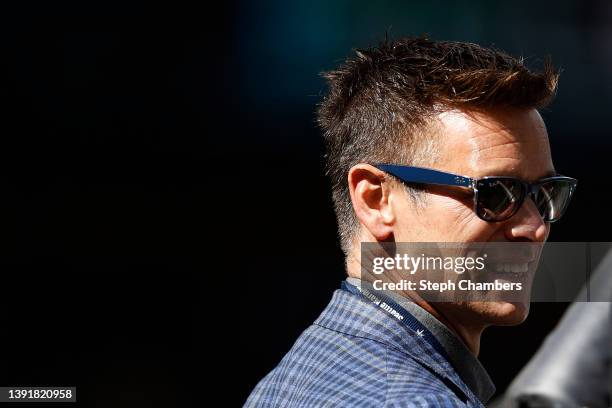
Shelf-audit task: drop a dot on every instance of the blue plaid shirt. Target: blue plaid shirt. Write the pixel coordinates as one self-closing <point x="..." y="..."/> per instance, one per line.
<point x="357" y="355"/>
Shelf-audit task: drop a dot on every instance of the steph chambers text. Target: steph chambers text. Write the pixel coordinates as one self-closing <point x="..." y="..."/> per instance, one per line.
<point x="464" y="284"/>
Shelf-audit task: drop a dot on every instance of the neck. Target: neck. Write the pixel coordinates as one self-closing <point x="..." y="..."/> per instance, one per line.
<point x="469" y="334"/>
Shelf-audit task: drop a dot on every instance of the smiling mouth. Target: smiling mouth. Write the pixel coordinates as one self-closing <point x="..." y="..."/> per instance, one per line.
<point x="511" y="267"/>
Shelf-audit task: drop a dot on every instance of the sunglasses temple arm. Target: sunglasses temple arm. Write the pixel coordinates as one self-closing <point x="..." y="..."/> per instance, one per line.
<point x="426" y="176"/>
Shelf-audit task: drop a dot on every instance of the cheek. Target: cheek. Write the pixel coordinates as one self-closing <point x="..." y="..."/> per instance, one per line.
<point x="441" y="219"/>
<point x="448" y="210"/>
<point x="457" y="220"/>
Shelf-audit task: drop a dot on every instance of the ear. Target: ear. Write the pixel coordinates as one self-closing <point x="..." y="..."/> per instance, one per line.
<point x="370" y="197"/>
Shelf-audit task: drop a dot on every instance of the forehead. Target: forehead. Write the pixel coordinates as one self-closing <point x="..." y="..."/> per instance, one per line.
<point x="507" y="142"/>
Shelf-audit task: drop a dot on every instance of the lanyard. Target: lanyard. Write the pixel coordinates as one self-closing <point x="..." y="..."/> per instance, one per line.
<point x="398" y="312"/>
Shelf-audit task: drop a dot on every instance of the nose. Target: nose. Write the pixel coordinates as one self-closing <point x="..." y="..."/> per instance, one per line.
<point x="527" y="224"/>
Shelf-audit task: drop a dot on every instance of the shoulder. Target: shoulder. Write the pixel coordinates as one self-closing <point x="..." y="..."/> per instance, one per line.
<point x="325" y="368"/>
<point x="330" y="368"/>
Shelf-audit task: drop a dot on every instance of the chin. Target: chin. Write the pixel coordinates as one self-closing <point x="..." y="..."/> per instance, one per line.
<point x="489" y="313"/>
<point x="501" y="313"/>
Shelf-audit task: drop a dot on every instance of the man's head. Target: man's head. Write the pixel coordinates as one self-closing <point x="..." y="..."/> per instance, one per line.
<point x="450" y="106"/>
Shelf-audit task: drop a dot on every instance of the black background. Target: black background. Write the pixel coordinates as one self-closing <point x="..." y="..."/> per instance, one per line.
<point x="167" y="228"/>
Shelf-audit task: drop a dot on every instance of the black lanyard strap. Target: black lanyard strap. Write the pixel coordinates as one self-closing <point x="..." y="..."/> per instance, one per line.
<point x="391" y="307"/>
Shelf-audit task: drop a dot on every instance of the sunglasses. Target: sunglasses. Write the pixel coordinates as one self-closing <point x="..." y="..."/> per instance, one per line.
<point x="497" y="198"/>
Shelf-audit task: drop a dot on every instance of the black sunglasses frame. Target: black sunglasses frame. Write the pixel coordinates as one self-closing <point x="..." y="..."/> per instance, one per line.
<point x="422" y="175"/>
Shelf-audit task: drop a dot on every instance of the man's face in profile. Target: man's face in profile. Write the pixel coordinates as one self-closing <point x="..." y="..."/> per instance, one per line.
<point x="504" y="142"/>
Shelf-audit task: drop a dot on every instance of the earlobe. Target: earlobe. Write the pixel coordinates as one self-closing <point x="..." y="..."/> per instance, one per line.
<point x="370" y="195"/>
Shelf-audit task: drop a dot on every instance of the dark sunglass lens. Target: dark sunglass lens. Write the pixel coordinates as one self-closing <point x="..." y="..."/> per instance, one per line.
<point x="499" y="198"/>
<point x="553" y="198"/>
